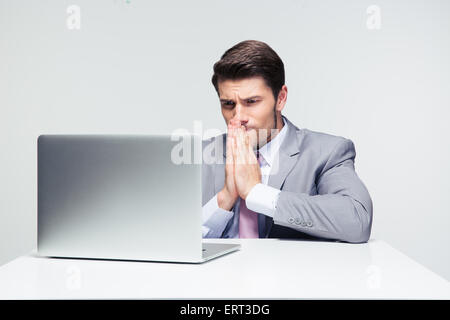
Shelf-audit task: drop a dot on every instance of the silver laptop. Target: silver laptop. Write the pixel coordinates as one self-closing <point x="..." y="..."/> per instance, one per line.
<point x="127" y="197"/>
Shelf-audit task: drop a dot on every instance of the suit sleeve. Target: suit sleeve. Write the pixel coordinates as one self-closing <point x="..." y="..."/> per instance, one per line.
<point x="215" y="219"/>
<point x="342" y="209"/>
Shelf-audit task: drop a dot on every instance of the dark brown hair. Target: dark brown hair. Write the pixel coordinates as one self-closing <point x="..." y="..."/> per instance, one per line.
<point x="250" y="58"/>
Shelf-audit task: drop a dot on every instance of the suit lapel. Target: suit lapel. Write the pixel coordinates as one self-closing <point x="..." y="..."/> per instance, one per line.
<point x="283" y="164"/>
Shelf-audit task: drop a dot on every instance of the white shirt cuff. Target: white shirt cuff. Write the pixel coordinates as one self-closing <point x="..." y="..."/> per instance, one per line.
<point x="263" y="199"/>
<point x="215" y="219"/>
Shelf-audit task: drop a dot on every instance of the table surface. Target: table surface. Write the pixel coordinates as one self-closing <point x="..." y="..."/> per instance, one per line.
<point x="263" y="268"/>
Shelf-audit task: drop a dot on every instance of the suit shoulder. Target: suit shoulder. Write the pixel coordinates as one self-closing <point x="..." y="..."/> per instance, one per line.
<point x="326" y="149"/>
<point x="323" y="141"/>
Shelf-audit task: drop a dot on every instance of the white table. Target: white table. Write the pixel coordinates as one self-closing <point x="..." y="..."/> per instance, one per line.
<point x="263" y="268"/>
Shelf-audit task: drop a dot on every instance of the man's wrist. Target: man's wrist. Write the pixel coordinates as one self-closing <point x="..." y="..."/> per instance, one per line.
<point x="245" y="195"/>
<point x="263" y="199"/>
<point x="225" y="200"/>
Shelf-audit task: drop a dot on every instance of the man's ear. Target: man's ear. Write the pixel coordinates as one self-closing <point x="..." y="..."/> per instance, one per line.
<point x="282" y="97"/>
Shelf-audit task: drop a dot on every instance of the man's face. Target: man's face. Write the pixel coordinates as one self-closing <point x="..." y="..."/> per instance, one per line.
<point x="249" y="102"/>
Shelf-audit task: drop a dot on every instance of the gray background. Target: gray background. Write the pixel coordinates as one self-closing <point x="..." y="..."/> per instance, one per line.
<point x="145" y="67"/>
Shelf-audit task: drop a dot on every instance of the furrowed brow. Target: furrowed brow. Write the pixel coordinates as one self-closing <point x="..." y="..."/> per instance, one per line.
<point x="252" y="97"/>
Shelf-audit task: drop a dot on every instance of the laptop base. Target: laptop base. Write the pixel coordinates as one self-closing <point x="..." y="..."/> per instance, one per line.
<point x="214" y="250"/>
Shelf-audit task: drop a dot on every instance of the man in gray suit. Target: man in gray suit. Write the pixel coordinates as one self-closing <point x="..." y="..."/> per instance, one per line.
<point x="266" y="178"/>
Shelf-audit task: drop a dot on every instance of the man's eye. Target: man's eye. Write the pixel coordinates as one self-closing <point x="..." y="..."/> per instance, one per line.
<point x="228" y="104"/>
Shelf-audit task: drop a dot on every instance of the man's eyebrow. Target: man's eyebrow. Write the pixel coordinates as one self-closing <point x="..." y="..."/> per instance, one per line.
<point x="252" y="97"/>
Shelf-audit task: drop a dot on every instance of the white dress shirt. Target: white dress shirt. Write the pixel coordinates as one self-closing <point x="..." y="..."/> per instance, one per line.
<point x="261" y="198"/>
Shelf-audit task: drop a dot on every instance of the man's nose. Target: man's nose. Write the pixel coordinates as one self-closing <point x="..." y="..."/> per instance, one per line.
<point x="240" y="114"/>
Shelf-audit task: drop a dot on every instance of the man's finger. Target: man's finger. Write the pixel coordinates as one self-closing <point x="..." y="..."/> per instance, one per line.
<point x="251" y="136"/>
<point x="241" y="149"/>
<point x="248" y="151"/>
<point x="234" y="148"/>
<point x="229" y="152"/>
<point x="229" y="145"/>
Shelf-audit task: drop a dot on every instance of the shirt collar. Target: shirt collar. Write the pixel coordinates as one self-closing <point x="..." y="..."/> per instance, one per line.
<point x="270" y="149"/>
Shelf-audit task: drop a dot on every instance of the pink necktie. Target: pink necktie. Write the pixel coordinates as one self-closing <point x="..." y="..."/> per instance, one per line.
<point x="248" y="219"/>
<point x="248" y="222"/>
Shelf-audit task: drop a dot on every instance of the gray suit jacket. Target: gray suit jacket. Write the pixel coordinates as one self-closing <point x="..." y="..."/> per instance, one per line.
<point x="321" y="194"/>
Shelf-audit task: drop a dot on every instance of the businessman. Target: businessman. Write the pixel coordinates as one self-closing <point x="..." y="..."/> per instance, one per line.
<point x="268" y="178"/>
